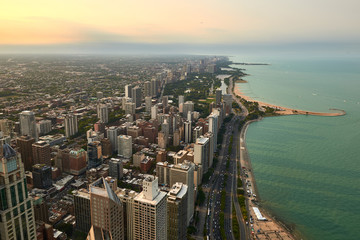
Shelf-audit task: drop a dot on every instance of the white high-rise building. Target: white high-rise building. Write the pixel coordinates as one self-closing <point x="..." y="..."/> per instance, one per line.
<point x="154" y="111"/>
<point x="150" y="212"/>
<point x="71" y="125"/>
<point x="181" y="99"/>
<point x="147" y="89"/>
<point x="128" y="91"/>
<point x="28" y="124"/>
<point x="187" y="128"/>
<point x="201" y="152"/>
<point x="44" y="126"/>
<point x="188" y="106"/>
<point x="103" y="113"/>
<point x="184" y="173"/>
<point x="125" y="146"/>
<point x="130" y="108"/>
<point x="112" y="135"/>
<point x="213" y="127"/>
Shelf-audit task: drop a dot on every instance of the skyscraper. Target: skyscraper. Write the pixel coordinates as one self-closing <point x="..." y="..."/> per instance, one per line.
<point x="177" y="211"/>
<point x="125" y="146"/>
<point x="130" y="108"/>
<point x="147" y="89"/>
<point x="128" y="91"/>
<point x="150" y="213"/>
<point x="24" y="143"/>
<point x="116" y="168"/>
<point x="112" y="134"/>
<point x="42" y="176"/>
<point x="28" y="124"/>
<point x="94" y="152"/>
<point x="218" y="96"/>
<point x="44" y="126"/>
<point x="41" y="153"/>
<point x="201" y="152"/>
<point x="154" y="111"/>
<point x="148" y="102"/>
<point x="213" y="127"/>
<point x="184" y="173"/>
<point x="71" y="125"/>
<point x="82" y="210"/>
<point x="103" y="113"/>
<point x="187" y="127"/>
<point x="154" y="87"/>
<point x="188" y="106"/>
<point x="136" y="96"/>
<point x="107" y="214"/>
<point x="16" y="207"/>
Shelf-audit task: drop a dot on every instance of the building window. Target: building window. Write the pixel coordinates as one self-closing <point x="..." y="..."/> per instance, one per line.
<point x="13" y="195"/>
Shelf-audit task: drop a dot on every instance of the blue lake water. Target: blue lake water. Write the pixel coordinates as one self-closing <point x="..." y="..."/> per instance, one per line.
<point x="307" y="168"/>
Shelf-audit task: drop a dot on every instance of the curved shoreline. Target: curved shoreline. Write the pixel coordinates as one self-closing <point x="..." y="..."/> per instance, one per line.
<point x="289" y="111"/>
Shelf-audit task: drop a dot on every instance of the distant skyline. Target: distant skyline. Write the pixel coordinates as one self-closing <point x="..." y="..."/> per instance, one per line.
<point x="78" y="25"/>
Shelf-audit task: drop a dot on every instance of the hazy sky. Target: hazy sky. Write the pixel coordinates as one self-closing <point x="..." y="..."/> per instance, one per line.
<point x="59" y="22"/>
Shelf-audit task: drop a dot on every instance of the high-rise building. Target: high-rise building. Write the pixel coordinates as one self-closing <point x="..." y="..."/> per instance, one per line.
<point x="163" y="173"/>
<point x="99" y="95"/>
<point x="6" y="126"/>
<point x="94" y="153"/>
<point x="124" y="100"/>
<point x="147" y="89"/>
<point x="42" y="176"/>
<point x="198" y="131"/>
<point x="201" y="152"/>
<point x="103" y="113"/>
<point x="177" y="211"/>
<point x="130" y="108"/>
<point x="181" y="100"/>
<point x="116" y="168"/>
<point x="28" y="124"/>
<point x="162" y="140"/>
<point x="213" y="127"/>
<point x="128" y="91"/>
<point x="228" y="103"/>
<point x="188" y="106"/>
<point x="43" y="127"/>
<point x="127" y="198"/>
<point x="187" y="129"/>
<point x="82" y="210"/>
<point x="184" y="173"/>
<point x="165" y="100"/>
<point x="77" y="161"/>
<point x="41" y="153"/>
<point x="41" y="210"/>
<point x="112" y="134"/>
<point x="24" y="143"/>
<point x="136" y="96"/>
<point x="154" y="111"/>
<point x="154" y="87"/>
<point x="16" y="207"/>
<point x="210" y="136"/>
<point x="148" y="102"/>
<point x="71" y="125"/>
<point x="218" y="96"/>
<point x="125" y="146"/>
<point x="150" y="213"/>
<point x="107" y="213"/>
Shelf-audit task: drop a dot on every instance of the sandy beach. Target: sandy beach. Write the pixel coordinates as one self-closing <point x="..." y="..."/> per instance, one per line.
<point x="289" y="111"/>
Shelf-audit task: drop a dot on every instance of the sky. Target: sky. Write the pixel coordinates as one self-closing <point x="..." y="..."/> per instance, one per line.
<point x="86" y="24"/>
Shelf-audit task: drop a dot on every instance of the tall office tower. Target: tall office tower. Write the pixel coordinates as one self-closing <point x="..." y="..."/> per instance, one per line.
<point x="41" y="153"/>
<point x="94" y="153"/>
<point x="184" y="173"/>
<point x="147" y="89"/>
<point x="148" y="101"/>
<point x="116" y="168"/>
<point x="16" y="207"/>
<point x="107" y="213"/>
<point x="213" y="127"/>
<point x="187" y="127"/>
<point x="154" y="87"/>
<point x="128" y="91"/>
<point x="201" y="153"/>
<point x="188" y="106"/>
<point x="189" y="116"/>
<point x="99" y="95"/>
<point x="125" y="146"/>
<point x="165" y="100"/>
<point x="150" y="217"/>
<point x="24" y="143"/>
<point x="218" y="96"/>
<point x="130" y="108"/>
<point x="42" y="176"/>
<point x="163" y="173"/>
<point x="165" y="128"/>
<point x="228" y="103"/>
<point x="71" y="125"/>
<point x="77" y="162"/>
<point x="6" y="126"/>
<point x="106" y="147"/>
<point x="181" y="100"/>
<point x="103" y="113"/>
<point x="136" y="96"/>
<point x="112" y="134"/>
<point x="43" y="127"/>
<point x="162" y="140"/>
<point x="210" y="136"/>
<point x="154" y="111"/>
<point x="176" y="138"/>
<point x="82" y="210"/>
<point x="127" y="198"/>
<point x="41" y="210"/>
<point x="28" y="124"/>
<point x="124" y="100"/>
<point x="198" y="131"/>
<point x="177" y="211"/>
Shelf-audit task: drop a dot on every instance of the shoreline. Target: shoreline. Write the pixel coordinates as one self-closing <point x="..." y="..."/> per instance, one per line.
<point x="289" y="111"/>
<point x="273" y="227"/>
